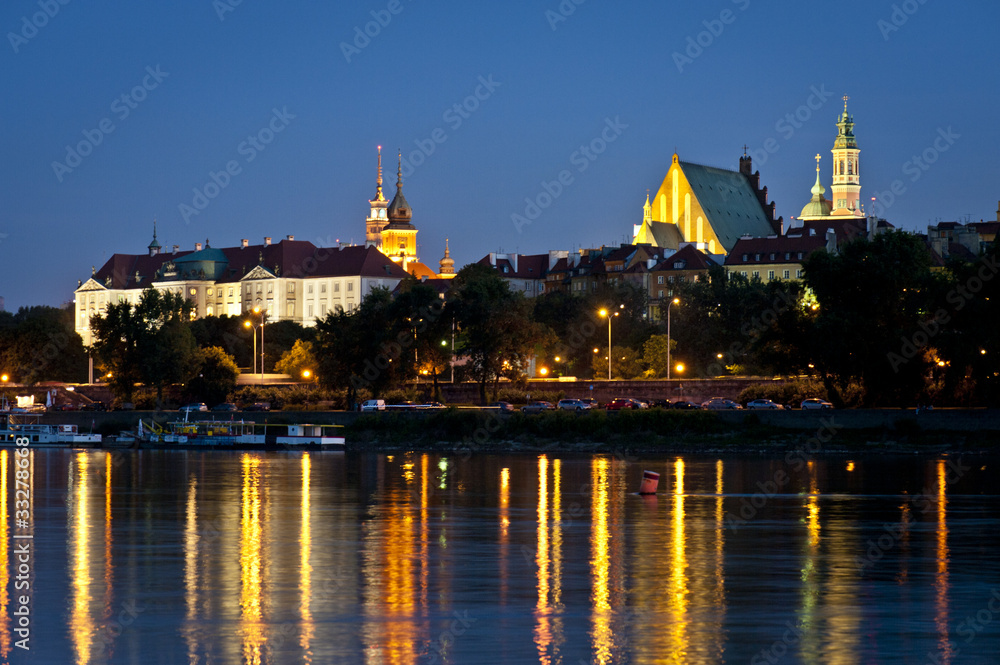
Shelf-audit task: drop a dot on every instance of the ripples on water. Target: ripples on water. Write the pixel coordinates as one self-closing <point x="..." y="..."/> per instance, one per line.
<point x="184" y="557"/>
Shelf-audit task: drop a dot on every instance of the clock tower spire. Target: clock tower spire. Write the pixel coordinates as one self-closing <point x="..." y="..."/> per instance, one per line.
<point x="846" y="190"/>
<point x="377" y="216"/>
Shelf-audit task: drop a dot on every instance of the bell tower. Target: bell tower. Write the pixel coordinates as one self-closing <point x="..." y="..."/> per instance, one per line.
<point x="377" y="217"/>
<point x="846" y="191"/>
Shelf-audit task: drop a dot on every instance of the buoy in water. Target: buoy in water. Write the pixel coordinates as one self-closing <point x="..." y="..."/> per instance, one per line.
<point x="650" y="479"/>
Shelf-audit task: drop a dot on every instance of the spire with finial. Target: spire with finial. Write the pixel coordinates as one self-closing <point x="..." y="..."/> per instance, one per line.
<point x="647" y="210"/>
<point x="399" y="209"/>
<point x="154" y="246"/>
<point x="447" y="263"/>
<point x="379" y="196"/>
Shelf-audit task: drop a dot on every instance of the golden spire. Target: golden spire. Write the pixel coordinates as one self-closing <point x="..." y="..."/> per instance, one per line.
<point x="378" y="191"/>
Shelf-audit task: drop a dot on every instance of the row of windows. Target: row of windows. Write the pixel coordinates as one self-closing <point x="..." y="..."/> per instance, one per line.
<point x="770" y="274"/>
<point x="774" y="256"/>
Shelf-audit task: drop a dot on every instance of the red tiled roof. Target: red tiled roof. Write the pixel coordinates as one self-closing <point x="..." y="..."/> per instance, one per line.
<point x="692" y="257"/>
<point x="288" y="258"/>
<point x="779" y="246"/>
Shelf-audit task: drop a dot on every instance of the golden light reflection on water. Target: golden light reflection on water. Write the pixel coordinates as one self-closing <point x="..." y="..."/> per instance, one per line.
<point x="191" y="569"/>
<point x="4" y="562"/>
<point x="108" y="541"/>
<point x="543" y="633"/>
<point x="678" y="585"/>
<point x="941" y="579"/>
<point x="720" y="562"/>
<point x="251" y="617"/>
<point x="81" y="623"/>
<point x="504" y="531"/>
<point x="305" y="562"/>
<point x="810" y="647"/>
<point x="600" y="563"/>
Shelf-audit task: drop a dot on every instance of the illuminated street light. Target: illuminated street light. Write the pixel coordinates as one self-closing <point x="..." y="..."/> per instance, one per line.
<point x="606" y="314"/>
<point x="675" y="301"/>
<point x="263" y="315"/>
<point x="680" y="368"/>
<point x="4" y="378"/>
<point x="543" y="371"/>
<point x="248" y="324"/>
<point x="306" y="374"/>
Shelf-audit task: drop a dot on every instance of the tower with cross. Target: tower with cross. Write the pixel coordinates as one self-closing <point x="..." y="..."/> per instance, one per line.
<point x="846" y="191"/>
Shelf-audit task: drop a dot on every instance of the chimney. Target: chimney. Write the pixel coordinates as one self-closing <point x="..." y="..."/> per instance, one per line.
<point x="290" y="237"/>
<point x="177" y="248"/>
<point x="197" y="247"/>
<point x="831" y="241"/>
<point x="244" y="243"/>
<point x="267" y="241"/>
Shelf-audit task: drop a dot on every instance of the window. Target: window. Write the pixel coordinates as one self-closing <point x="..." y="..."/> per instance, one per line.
<point x="309" y="309"/>
<point x="291" y="287"/>
<point x="788" y="256"/>
<point x="773" y="256"/>
<point x="660" y="280"/>
<point x="210" y="291"/>
<point x="309" y="289"/>
<point x="800" y="256"/>
<point x="336" y="287"/>
<point x="660" y="292"/>
<point x="322" y="287"/>
<point x="786" y="274"/>
<point x="670" y="279"/>
<point x="770" y="275"/>
<point x="210" y="311"/>
<point x="743" y="272"/>
<point x="756" y="274"/>
<point x="260" y="287"/>
<point x="757" y="257"/>
<point x="322" y="309"/>
<point x="350" y="287"/>
<point x="230" y="291"/>
<point x="798" y="274"/>
<point x="290" y="309"/>
<point x="680" y="279"/>
<point x="746" y="257"/>
<point x="193" y="292"/>
<point x="270" y="287"/>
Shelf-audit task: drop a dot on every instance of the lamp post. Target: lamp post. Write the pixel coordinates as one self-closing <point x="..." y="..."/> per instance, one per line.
<point x="609" y="316"/>
<point x="263" y="315"/>
<point x="247" y="324"/>
<point x="675" y="301"/>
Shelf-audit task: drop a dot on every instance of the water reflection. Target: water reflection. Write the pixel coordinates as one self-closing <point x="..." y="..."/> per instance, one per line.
<point x="81" y="623"/>
<point x="251" y="611"/>
<point x="377" y="564"/>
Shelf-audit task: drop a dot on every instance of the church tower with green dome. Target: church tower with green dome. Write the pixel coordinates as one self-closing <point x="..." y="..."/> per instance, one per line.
<point x="846" y="191"/>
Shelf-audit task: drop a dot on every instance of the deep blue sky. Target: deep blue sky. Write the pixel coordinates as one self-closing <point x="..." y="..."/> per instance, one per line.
<point x="558" y="87"/>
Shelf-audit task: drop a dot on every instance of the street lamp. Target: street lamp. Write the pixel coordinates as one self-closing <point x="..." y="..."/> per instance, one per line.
<point x="605" y="313"/>
<point x="247" y="324"/>
<point x="675" y="301"/>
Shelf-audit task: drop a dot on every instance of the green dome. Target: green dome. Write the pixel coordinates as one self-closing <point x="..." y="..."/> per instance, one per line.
<point x="818" y="206"/>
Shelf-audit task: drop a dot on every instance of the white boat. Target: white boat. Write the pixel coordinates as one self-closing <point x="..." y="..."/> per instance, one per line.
<point x="239" y="434"/>
<point x="26" y="425"/>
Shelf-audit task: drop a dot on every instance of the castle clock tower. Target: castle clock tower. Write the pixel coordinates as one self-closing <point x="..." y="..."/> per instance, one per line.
<point x="846" y="191"/>
<point x="378" y="217"/>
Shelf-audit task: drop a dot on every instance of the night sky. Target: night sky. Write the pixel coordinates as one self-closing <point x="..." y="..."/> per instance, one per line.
<point x="293" y="98"/>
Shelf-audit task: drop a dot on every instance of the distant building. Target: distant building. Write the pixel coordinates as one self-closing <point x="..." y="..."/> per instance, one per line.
<point x="687" y="265"/>
<point x="708" y="207"/>
<point x="292" y="280"/>
<point x="523" y="272"/>
<point x="845" y="198"/>
<point x="775" y="257"/>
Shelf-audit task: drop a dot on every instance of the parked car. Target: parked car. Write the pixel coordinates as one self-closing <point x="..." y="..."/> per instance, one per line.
<point x="225" y="406"/>
<point x="577" y="405"/>
<point x="537" y="407"/>
<point x="65" y="407"/>
<point x="594" y="404"/>
<point x="94" y="406"/>
<point x="258" y="406"/>
<point x="619" y="403"/>
<point x="815" y="403"/>
<point x="503" y="407"/>
<point x="720" y="404"/>
<point x="764" y="404"/>
<point x="684" y="404"/>
<point x="194" y="406"/>
<point x="373" y="405"/>
<point x="658" y="403"/>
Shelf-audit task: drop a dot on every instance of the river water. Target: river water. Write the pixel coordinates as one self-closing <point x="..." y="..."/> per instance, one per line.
<point x="190" y="557"/>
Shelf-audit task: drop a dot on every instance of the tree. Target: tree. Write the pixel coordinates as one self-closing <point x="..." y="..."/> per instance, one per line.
<point x="655" y="355"/>
<point x="228" y="333"/>
<point x="364" y="349"/>
<point x="280" y="337"/>
<point x="423" y="310"/>
<point x="298" y="359"/>
<point x="626" y="363"/>
<point x="41" y="344"/>
<point x="149" y="342"/>
<point x="497" y="333"/>
<point x="216" y="378"/>
<point x="871" y="297"/>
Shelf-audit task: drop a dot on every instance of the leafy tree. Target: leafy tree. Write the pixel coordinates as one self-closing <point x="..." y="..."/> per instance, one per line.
<point x="228" y="333"/>
<point x="655" y="354"/>
<point x="280" y="337"/>
<point x="216" y="378"/>
<point x="626" y="363"/>
<point x="497" y="332"/>
<point x="297" y="360"/>
<point x="41" y="344"/>
<point x="365" y="349"/>
<point x="423" y="310"/>
<point x="871" y="297"/>
<point x="149" y="342"/>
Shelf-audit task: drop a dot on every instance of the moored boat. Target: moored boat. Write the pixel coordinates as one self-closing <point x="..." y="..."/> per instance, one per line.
<point x="239" y="434"/>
